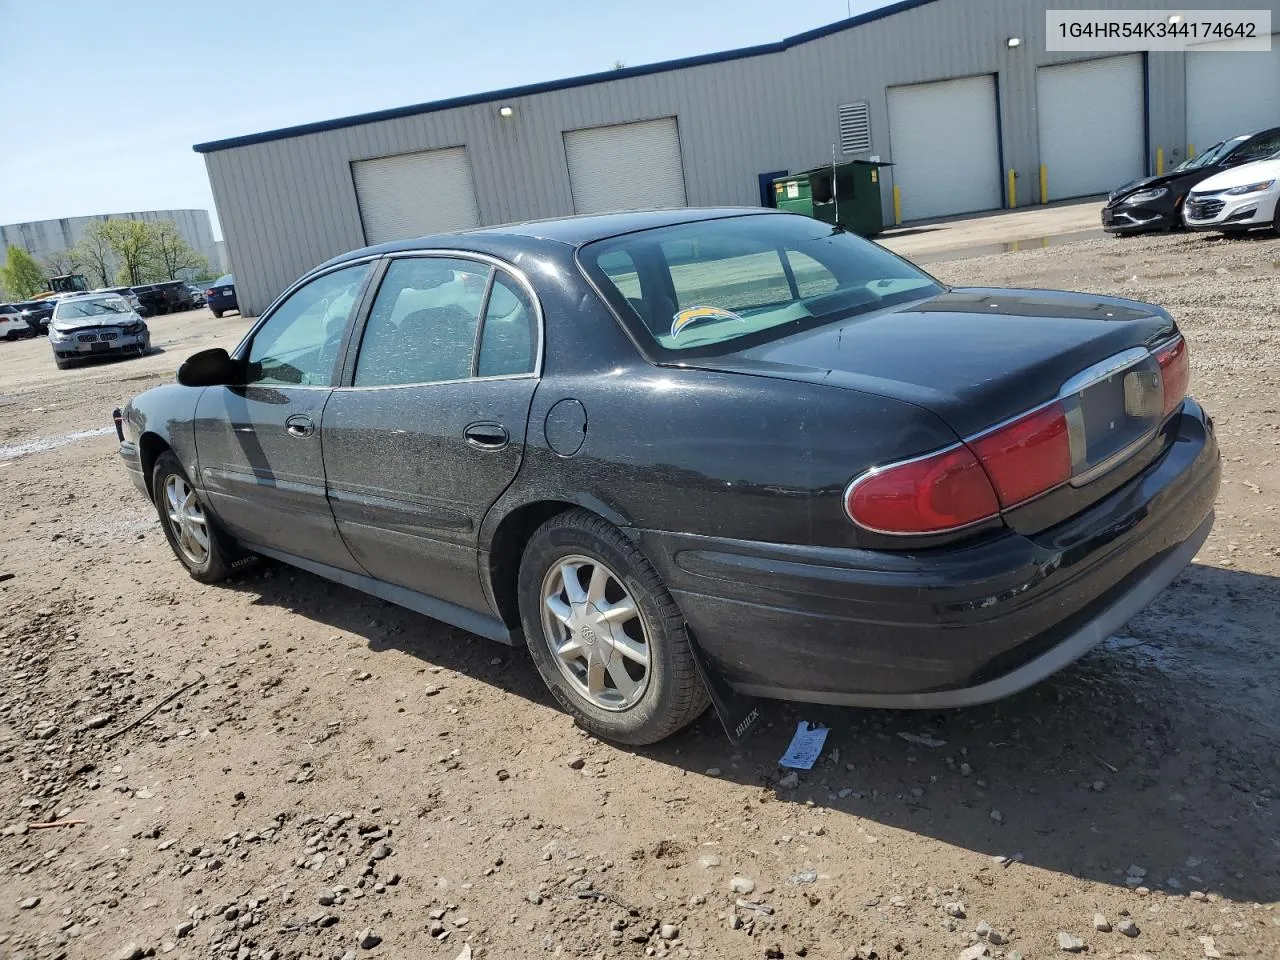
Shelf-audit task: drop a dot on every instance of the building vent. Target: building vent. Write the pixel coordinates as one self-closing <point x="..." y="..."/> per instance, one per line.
<point x="855" y="127"/>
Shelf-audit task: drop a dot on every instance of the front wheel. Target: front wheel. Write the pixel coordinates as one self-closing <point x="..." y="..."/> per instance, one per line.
<point x="192" y="533"/>
<point x="605" y="634"/>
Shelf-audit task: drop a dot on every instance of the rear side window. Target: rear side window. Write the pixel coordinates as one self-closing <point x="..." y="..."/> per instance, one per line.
<point x="719" y="286"/>
<point x="510" y="337"/>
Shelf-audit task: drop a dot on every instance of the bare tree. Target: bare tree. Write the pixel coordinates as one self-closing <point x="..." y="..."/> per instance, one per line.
<point x="60" y="263"/>
<point x="94" y="253"/>
<point x="173" y="254"/>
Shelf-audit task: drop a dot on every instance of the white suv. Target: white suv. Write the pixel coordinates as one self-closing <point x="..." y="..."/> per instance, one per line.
<point x="1242" y="198"/>
<point x="12" y="323"/>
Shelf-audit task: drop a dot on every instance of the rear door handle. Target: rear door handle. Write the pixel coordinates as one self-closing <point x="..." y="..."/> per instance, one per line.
<point x="300" y="425"/>
<point x="487" y="436"/>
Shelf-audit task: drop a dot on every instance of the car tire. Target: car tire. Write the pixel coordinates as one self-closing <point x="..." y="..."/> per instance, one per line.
<point x="208" y="561"/>
<point x="578" y="545"/>
<point x="217" y="314"/>
<point x="61" y="364"/>
<point x="1275" y="222"/>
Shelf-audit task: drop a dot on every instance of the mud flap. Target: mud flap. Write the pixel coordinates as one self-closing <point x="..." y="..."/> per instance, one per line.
<point x="739" y="714"/>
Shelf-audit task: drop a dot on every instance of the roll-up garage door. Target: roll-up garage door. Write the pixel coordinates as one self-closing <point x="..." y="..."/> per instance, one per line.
<point x="413" y="194"/>
<point x="1092" y="124"/>
<point x="1229" y="93"/>
<point x="945" y="146"/>
<point x="628" y="166"/>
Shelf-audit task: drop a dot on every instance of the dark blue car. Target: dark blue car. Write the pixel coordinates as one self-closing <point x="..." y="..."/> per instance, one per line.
<point x="221" y="295"/>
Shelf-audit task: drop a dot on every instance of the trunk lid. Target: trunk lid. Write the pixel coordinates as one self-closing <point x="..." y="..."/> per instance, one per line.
<point x="979" y="357"/>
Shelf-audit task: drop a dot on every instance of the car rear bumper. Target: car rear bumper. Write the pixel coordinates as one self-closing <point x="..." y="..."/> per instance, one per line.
<point x="950" y="626"/>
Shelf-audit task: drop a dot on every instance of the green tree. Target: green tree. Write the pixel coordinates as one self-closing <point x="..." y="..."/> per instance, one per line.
<point x="21" y="276"/>
<point x="134" y="247"/>
<point x="95" y="255"/>
<point x="60" y="263"/>
<point x="174" y="255"/>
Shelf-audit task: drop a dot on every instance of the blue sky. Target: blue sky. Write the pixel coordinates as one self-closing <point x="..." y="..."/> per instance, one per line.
<point x="109" y="97"/>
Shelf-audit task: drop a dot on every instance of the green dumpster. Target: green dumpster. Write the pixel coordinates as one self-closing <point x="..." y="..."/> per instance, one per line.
<point x="846" y="193"/>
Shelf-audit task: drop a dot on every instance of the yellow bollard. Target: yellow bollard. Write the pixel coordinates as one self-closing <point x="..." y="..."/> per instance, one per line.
<point x="1013" y="189"/>
<point x="1044" y="184"/>
<point x="897" y="205"/>
<point x="1159" y="161"/>
<point x="1191" y="150"/>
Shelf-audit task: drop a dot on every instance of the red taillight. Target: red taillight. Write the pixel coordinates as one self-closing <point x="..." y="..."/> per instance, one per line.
<point x="209" y="292"/>
<point x="929" y="495"/>
<point x="1175" y="373"/>
<point x="1028" y="456"/>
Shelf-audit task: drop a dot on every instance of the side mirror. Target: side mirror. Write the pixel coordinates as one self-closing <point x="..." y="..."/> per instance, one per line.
<point x="208" y="368"/>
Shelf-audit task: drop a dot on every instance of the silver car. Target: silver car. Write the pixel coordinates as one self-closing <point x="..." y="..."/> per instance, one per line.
<point x="95" y="324"/>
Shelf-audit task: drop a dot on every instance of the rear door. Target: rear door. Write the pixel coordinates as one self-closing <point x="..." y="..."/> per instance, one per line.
<point x="431" y="429"/>
<point x="258" y="442"/>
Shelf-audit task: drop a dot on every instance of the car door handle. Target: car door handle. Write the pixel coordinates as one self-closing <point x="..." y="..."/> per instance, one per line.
<point x="300" y="425"/>
<point x="487" y="436"/>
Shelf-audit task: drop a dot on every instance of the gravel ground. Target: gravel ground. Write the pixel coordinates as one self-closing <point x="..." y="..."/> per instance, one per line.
<point x="280" y="768"/>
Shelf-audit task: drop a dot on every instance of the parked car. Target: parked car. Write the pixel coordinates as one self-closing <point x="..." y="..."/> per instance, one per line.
<point x="94" y="324"/>
<point x="12" y="323"/>
<point x="198" y="298"/>
<point x="36" y="313"/>
<point x="221" y="295"/>
<point x="129" y="296"/>
<point x="152" y="298"/>
<point x="740" y="439"/>
<point x="1236" y="200"/>
<point x="1155" y="203"/>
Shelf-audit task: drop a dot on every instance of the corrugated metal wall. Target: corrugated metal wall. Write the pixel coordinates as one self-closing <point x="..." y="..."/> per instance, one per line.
<point x="286" y="205"/>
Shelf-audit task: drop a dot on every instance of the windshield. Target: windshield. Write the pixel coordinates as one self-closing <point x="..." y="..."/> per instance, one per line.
<point x="1211" y="156"/>
<point x="98" y="307"/>
<point x="719" y="286"/>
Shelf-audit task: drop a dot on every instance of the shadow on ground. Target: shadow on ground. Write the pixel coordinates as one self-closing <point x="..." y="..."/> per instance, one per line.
<point x="1134" y="755"/>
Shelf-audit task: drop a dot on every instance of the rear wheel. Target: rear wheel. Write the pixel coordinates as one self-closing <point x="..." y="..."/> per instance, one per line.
<point x="605" y="634"/>
<point x="217" y="314"/>
<point x="195" y="537"/>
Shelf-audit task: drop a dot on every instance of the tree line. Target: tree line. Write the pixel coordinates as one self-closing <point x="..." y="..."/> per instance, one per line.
<point x="123" y="253"/>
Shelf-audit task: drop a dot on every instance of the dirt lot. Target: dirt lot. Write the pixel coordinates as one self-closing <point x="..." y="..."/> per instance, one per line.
<point x="339" y="778"/>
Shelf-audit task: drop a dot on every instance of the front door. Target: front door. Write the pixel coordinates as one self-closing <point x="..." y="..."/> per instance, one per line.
<point x="432" y="429"/>
<point x="259" y="442"/>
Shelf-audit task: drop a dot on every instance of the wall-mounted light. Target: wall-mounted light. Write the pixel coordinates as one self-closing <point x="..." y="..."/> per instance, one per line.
<point x="1176" y="18"/>
<point x="1014" y="42"/>
<point x="506" y="112"/>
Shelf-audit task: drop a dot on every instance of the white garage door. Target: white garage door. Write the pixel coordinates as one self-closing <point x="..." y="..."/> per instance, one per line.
<point x="945" y="146"/>
<point x="1231" y="93"/>
<point x="413" y="194"/>
<point x="1092" y="120"/>
<point x="629" y="166"/>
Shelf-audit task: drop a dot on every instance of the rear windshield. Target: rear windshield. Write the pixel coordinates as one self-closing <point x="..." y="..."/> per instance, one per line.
<point x="224" y="281"/>
<point x="719" y="286"/>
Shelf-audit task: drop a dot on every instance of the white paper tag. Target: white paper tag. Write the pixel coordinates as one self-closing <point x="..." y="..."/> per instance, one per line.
<point x="805" y="748"/>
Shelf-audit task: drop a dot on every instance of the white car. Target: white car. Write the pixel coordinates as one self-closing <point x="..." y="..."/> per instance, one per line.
<point x="1242" y="198"/>
<point x="12" y="323"/>
<point x="96" y="324"/>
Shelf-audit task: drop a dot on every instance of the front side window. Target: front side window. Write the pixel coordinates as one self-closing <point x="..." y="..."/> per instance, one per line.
<point x="1259" y="148"/>
<point x="719" y="286"/>
<point x="299" y="343"/>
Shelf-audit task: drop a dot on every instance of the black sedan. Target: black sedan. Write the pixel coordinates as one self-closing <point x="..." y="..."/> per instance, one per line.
<point x="37" y="314"/>
<point x="1155" y="203"/>
<point x="667" y="446"/>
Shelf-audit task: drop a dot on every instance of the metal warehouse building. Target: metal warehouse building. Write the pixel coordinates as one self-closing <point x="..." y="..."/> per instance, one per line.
<point x="936" y="87"/>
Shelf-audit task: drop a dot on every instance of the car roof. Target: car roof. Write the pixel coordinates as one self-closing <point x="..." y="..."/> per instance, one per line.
<point x="571" y="231"/>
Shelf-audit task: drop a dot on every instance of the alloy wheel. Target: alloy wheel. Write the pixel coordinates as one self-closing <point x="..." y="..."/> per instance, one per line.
<point x="187" y="520"/>
<point x="593" y="629"/>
